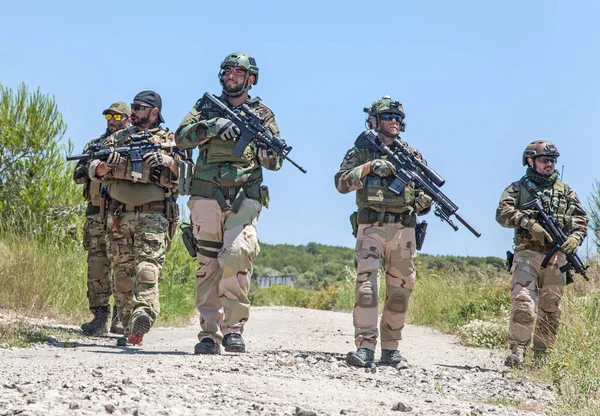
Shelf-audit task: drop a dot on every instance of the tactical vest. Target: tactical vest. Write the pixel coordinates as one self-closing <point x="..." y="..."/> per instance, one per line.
<point x="376" y="195"/>
<point x="220" y="151"/>
<point x="555" y="200"/>
<point x="159" y="175"/>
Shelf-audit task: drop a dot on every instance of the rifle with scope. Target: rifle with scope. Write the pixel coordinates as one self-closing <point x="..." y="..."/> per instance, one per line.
<point x="410" y="169"/>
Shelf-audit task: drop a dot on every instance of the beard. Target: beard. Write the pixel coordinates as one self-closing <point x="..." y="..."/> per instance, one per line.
<point x="234" y="90"/>
<point x="137" y="121"/>
<point x="389" y="133"/>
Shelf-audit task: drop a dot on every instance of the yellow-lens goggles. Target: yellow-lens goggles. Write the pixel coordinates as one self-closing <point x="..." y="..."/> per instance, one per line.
<point x="117" y="117"/>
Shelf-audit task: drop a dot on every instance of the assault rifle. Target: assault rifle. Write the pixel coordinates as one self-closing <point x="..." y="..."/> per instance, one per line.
<point x="251" y="128"/>
<point x="410" y="168"/>
<point x="134" y="151"/>
<point x="549" y="224"/>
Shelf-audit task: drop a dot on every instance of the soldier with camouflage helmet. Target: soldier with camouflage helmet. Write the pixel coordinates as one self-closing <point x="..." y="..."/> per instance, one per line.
<point x="99" y="285"/>
<point x="227" y="197"/>
<point x="384" y="227"/>
<point x="142" y="215"/>
<point x="533" y="286"/>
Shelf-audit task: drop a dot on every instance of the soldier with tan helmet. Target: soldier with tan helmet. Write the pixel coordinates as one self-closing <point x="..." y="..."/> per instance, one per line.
<point x="227" y="197"/>
<point x="99" y="273"/>
<point x="533" y="286"/>
<point x="384" y="227"/>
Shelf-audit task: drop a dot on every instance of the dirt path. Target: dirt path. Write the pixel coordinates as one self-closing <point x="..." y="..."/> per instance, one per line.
<point x="294" y="366"/>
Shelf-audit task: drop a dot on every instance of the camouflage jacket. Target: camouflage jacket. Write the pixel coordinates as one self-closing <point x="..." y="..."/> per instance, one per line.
<point x="80" y="175"/>
<point x="215" y="163"/>
<point x="559" y="199"/>
<point x="371" y="190"/>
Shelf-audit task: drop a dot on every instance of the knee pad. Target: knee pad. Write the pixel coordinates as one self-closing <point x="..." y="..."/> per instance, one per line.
<point x="148" y="275"/>
<point x="523" y="310"/>
<point x="397" y="302"/>
<point x="366" y="297"/>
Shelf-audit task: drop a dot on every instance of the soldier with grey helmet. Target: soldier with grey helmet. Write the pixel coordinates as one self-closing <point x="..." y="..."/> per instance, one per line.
<point x="227" y="197"/>
<point x="142" y="214"/>
<point x="99" y="284"/>
<point x="536" y="291"/>
<point x="384" y="227"/>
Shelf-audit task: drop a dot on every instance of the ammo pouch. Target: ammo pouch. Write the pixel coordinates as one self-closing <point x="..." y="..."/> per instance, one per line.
<point x="189" y="241"/>
<point x="230" y="197"/>
<point x="420" y="233"/>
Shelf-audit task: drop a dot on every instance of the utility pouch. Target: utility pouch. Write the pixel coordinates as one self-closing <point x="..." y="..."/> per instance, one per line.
<point x="189" y="241"/>
<point x="354" y="223"/>
<point x="264" y="196"/>
<point x="509" y="260"/>
<point x="420" y="233"/>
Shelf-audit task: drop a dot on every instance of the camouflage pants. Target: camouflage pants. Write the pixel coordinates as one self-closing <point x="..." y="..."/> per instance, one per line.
<point x="394" y="245"/>
<point x="137" y="244"/>
<point x="534" y="287"/>
<point x="99" y="286"/>
<point x="227" y="245"/>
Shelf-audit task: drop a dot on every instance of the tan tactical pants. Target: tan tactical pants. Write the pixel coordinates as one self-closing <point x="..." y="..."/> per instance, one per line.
<point x="99" y="285"/>
<point x="137" y="243"/>
<point x="394" y="245"/>
<point x="229" y="245"/>
<point x="533" y="286"/>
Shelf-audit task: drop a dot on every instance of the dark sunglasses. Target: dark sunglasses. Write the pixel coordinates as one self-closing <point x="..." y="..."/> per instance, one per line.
<point x="139" y="107"/>
<point x="117" y="117"/>
<point x="391" y="116"/>
<point x="545" y="159"/>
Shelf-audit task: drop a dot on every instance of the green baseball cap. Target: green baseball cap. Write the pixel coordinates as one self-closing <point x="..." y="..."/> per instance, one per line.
<point x="119" y="107"/>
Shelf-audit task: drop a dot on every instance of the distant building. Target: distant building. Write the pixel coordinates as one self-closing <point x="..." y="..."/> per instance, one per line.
<point x="267" y="281"/>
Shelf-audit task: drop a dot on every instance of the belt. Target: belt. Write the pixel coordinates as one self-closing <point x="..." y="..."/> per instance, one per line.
<point x="158" y="206"/>
<point x="370" y="216"/>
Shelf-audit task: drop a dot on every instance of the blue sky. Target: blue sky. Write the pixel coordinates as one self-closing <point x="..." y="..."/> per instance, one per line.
<point x="478" y="81"/>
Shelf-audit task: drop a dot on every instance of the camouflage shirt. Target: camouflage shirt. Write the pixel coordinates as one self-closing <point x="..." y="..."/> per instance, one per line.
<point x="372" y="191"/>
<point x="80" y="175"/>
<point x="561" y="200"/>
<point x="215" y="163"/>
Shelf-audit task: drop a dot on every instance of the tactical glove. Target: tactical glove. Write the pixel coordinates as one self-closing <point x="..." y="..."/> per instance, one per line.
<point x="226" y="129"/>
<point x="382" y="167"/>
<point x="265" y="153"/>
<point x="114" y="160"/>
<point x="158" y="159"/>
<point x="422" y="203"/>
<point x="570" y="245"/>
<point x="538" y="233"/>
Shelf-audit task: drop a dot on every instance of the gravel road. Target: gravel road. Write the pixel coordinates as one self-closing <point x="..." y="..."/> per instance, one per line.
<point x="294" y="366"/>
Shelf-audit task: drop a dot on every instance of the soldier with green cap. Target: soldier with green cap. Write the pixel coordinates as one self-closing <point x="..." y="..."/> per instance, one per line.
<point x="99" y="274"/>
<point x="227" y="197"/>
<point x="384" y="227"/>
<point x="537" y="290"/>
<point x="142" y="214"/>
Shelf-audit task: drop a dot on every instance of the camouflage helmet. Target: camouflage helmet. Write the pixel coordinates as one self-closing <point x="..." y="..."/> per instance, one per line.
<point x="385" y="105"/>
<point x="242" y="60"/>
<point x="539" y="148"/>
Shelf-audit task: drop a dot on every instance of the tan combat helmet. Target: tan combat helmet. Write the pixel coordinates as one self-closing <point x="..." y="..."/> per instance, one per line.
<point x="539" y="148"/>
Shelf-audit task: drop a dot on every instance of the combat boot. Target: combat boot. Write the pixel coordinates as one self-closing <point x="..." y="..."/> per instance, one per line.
<point x="393" y="358"/>
<point x="207" y="346"/>
<point x="116" y="327"/>
<point x="234" y="343"/>
<point x="141" y="325"/>
<point x="99" y="324"/>
<point x="516" y="356"/>
<point x="363" y="357"/>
